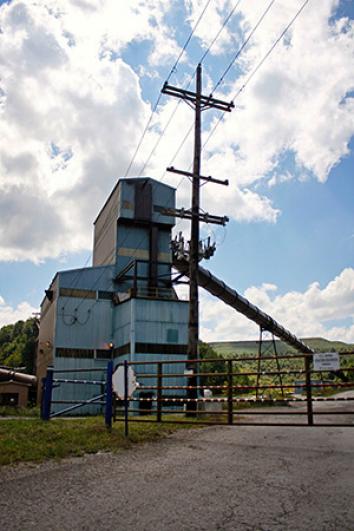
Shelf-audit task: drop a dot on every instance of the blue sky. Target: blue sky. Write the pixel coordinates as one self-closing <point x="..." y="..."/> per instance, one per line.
<point x="75" y="99"/>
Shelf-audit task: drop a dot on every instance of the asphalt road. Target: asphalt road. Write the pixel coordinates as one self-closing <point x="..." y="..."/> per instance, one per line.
<point x="338" y="410"/>
<point x="218" y="478"/>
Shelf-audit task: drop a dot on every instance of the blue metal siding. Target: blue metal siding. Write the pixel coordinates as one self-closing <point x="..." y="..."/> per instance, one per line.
<point x="155" y="332"/>
<point x="134" y="240"/>
<point x="78" y="391"/>
<point x="92" y="278"/>
<point x="163" y="196"/>
<point x="121" y="324"/>
<point x="137" y="238"/>
<point x="154" y="319"/>
<point x="163" y="311"/>
<point x="164" y="243"/>
<point x="91" y="323"/>
<point x="93" y="328"/>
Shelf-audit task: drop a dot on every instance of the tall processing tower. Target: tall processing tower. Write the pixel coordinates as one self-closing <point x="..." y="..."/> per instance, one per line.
<point x="124" y="306"/>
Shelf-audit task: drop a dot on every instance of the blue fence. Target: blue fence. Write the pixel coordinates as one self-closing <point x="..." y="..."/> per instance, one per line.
<point x="52" y="380"/>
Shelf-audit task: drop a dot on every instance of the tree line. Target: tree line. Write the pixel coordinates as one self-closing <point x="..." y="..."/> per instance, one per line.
<point x="18" y="345"/>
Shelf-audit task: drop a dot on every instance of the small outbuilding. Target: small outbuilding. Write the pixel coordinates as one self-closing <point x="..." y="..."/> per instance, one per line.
<point x="14" y="387"/>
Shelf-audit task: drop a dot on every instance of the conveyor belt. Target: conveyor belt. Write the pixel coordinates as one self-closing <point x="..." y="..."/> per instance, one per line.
<point x="219" y="289"/>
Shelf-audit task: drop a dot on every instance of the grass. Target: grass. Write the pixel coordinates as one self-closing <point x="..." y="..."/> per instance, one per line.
<point x="10" y="411"/>
<point x="35" y="440"/>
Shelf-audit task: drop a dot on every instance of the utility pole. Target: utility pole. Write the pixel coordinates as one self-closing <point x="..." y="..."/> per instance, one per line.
<point x="200" y="103"/>
<point x="193" y="322"/>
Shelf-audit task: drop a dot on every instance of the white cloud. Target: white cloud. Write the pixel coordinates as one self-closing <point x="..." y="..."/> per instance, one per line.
<point x="72" y="110"/>
<point x="294" y="107"/>
<point x="314" y="312"/>
<point x="294" y="103"/>
<point x="72" y="113"/>
<point x="278" y="179"/>
<point x="10" y="314"/>
<point x="70" y="119"/>
<point x="214" y="17"/>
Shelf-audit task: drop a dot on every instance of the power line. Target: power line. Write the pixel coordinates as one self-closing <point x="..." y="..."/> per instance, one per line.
<point x="186" y="87"/>
<point x="261" y="62"/>
<point x="272" y="48"/>
<point x="160" y="137"/>
<point x="238" y="53"/>
<point x="172" y="71"/>
<point x="110" y="252"/>
<point x="226" y="21"/>
<point x="147" y="126"/>
<point x="78" y="275"/>
<point x="179" y="101"/>
<point x="218" y="84"/>
<point x="243" y="46"/>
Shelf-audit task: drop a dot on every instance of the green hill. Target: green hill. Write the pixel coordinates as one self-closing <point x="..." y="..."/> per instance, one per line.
<point x="234" y="349"/>
<point x="291" y="368"/>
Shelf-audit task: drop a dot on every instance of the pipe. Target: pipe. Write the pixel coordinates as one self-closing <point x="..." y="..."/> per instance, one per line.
<point x="18" y="376"/>
<point x="219" y="289"/>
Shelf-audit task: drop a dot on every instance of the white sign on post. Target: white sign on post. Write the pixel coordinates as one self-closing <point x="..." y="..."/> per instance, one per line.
<point x="118" y="382"/>
<point x="326" y="361"/>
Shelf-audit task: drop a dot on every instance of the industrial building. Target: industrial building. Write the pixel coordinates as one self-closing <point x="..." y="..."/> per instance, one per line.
<point x="124" y="306"/>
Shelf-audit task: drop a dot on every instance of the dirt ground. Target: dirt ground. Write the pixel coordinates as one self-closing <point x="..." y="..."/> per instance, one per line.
<point x="216" y="478"/>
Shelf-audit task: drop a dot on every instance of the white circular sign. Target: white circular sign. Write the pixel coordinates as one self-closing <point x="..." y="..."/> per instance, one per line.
<point x="118" y="381"/>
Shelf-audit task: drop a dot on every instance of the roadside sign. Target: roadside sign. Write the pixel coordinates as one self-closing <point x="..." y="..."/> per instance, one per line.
<point x="118" y="382"/>
<point x="326" y="361"/>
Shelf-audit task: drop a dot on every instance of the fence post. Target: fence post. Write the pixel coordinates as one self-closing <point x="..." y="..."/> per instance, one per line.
<point x="159" y="391"/>
<point x="308" y="389"/>
<point x="42" y="398"/>
<point x="47" y="398"/>
<point x="229" y="394"/>
<point x="126" y="401"/>
<point x="109" y="396"/>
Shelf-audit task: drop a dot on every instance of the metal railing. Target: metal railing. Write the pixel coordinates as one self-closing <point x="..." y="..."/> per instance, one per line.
<point x="50" y="382"/>
<point x="153" y="293"/>
<point x="181" y="391"/>
<point x="238" y="398"/>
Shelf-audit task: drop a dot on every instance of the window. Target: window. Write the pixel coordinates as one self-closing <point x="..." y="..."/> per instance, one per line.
<point x="74" y="353"/>
<point x="8" y="399"/>
<point x="172" y="335"/>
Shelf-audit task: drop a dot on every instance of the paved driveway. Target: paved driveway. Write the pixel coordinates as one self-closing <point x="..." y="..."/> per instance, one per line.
<point x="218" y="478"/>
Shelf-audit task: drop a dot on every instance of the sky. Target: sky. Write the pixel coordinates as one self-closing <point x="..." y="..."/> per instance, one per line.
<point x="79" y="81"/>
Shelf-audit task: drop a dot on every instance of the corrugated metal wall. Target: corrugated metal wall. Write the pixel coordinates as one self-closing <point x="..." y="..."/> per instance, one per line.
<point x="105" y="229"/>
<point x="67" y="391"/>
<point x="83" y="323"/>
